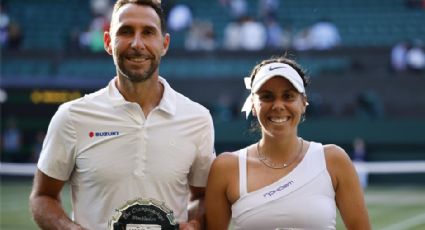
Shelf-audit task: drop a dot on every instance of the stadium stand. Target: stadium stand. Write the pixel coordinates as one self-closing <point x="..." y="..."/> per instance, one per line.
<point x="47" y="23"/>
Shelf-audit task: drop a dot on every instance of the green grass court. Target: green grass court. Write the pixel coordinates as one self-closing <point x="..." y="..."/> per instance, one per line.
<point x="390" y="208"/>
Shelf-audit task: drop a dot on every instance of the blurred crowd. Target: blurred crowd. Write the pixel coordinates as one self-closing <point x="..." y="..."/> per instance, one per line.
<point x="408" y="56"/>
<point x="10" y="31"/>
<point x="249" y="25"/>
<point x="242" y="32"/>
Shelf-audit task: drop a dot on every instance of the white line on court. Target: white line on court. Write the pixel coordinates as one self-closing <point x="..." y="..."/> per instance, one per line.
<point x="408" y="223"/>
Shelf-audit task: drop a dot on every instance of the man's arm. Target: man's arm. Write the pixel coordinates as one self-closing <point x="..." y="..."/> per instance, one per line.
<point x="45" y="204"/>
<point x="196" y="209"/>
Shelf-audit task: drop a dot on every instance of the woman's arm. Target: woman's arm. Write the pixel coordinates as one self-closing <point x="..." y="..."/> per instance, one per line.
<point x="218" y="207"/>
<point x="348" y="191"/>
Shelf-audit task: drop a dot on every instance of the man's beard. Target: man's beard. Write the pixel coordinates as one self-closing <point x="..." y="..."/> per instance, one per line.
<point x="136" y="76"/>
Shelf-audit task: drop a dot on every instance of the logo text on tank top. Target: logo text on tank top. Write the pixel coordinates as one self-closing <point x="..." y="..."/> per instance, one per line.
<point x="278" y="189"/>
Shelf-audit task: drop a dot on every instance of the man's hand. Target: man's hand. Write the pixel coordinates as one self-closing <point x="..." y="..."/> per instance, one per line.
<point x="191" y="225"/>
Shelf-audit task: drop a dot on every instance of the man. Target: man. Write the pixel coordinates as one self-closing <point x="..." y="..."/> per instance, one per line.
<point x="136" y="138"/>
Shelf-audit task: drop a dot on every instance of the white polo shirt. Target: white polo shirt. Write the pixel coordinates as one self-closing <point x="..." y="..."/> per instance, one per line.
<point x="110" y="153"/>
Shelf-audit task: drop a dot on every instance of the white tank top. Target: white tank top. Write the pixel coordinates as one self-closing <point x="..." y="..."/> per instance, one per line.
<point x="303" y="199"/>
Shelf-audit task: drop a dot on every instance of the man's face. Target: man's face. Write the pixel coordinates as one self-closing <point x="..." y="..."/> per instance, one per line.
<point x="136" y="42"/>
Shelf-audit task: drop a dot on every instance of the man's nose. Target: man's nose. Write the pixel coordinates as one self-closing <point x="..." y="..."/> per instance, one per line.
<point x="137" y="42"/>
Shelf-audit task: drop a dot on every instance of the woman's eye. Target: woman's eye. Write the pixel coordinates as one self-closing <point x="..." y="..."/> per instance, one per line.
<point x="266" y="97"/>
<point x="289" y="96"/>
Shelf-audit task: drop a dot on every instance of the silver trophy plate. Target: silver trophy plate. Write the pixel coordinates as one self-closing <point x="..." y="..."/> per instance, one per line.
<point x="143" y="214"/>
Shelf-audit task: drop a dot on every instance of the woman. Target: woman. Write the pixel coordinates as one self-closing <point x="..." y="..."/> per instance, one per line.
<point x="283" y="181"/>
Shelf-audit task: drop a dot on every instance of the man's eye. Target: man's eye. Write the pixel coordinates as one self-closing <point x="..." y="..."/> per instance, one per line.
<point x="125" y="31"/>
<point x="148" y="32"/>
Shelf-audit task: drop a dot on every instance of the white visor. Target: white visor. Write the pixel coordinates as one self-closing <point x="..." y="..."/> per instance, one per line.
<point x="267" y="72"/>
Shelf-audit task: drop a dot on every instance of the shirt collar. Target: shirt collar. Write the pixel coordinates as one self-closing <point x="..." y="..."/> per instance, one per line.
<point x="167" y="103"/>
<point x="169" y="100"/>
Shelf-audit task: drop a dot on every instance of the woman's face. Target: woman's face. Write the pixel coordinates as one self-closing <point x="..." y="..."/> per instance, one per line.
<point x="278" y="107"/>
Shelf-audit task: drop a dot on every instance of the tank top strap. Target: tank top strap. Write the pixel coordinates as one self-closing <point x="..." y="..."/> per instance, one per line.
<point x="242" y="172"/>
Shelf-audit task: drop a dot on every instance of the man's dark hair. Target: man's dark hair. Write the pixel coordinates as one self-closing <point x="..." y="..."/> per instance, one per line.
<point x="155" y="4"/>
